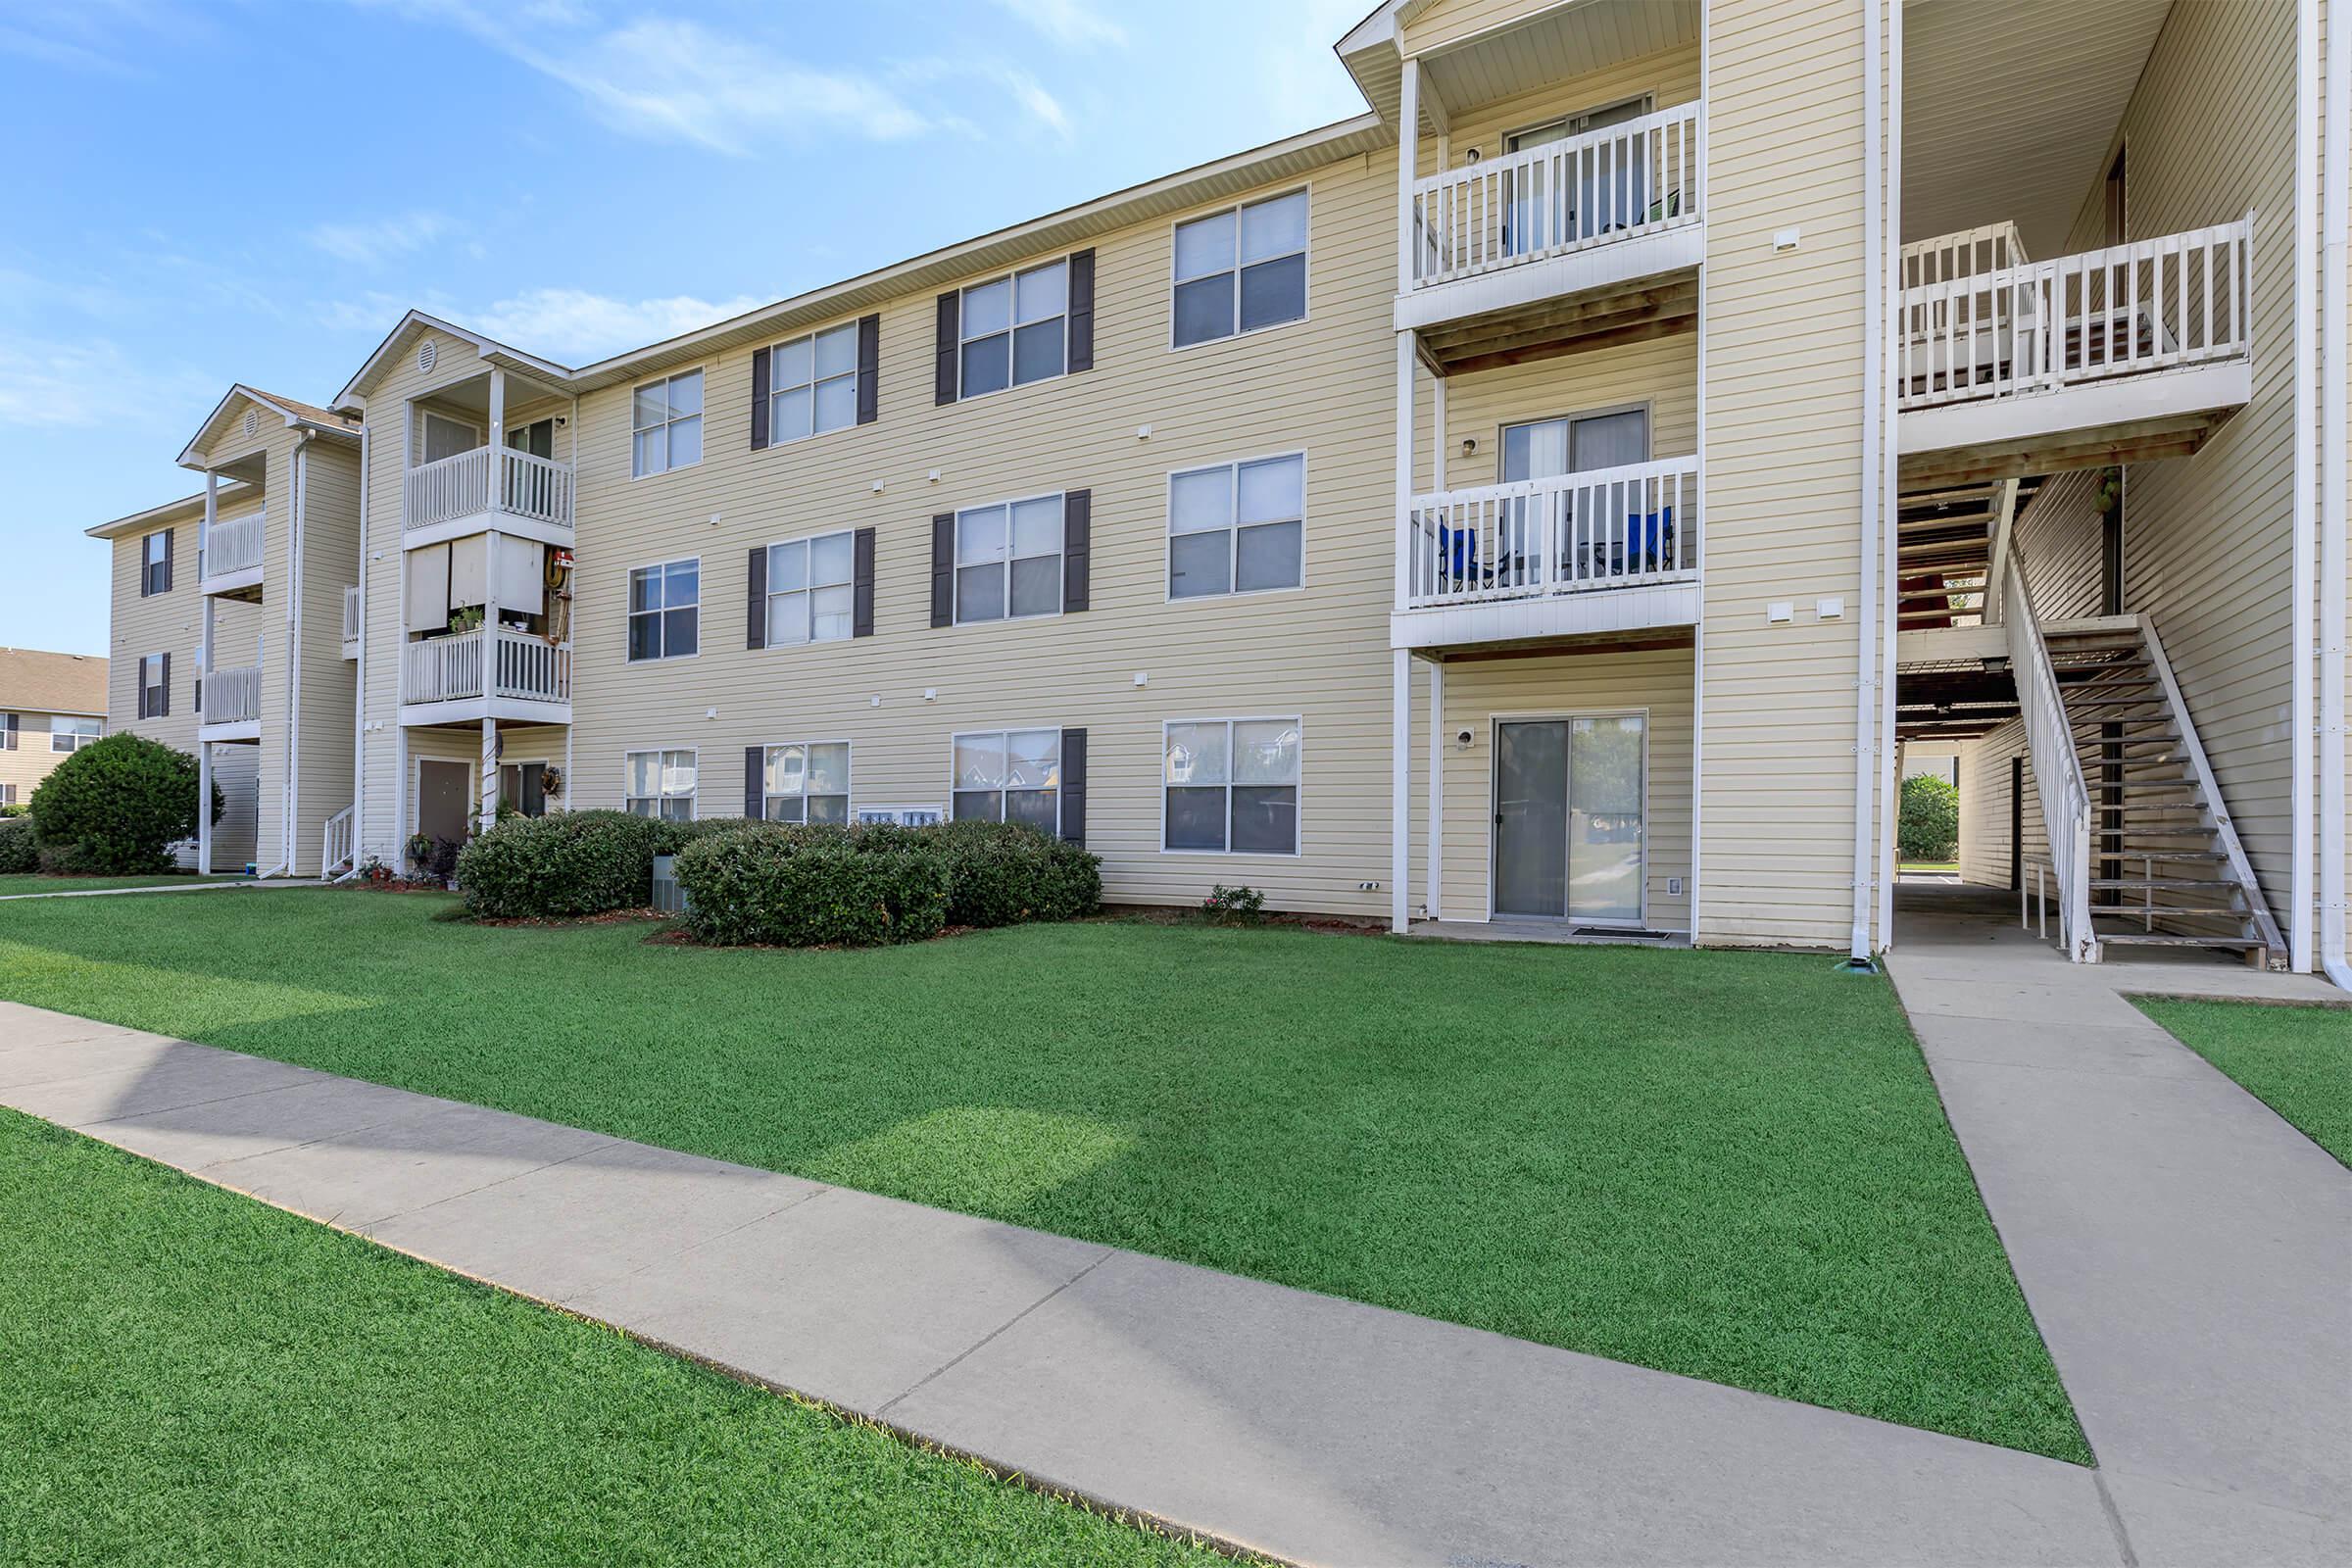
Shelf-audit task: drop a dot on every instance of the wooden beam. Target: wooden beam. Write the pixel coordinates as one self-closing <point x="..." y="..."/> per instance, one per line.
<point x="1641" y="332"/>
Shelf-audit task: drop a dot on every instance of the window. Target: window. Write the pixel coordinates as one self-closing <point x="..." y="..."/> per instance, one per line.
<point x="8" y="795"/>
<point x="1237" y="527"/>
<point x="445" y="437"/>
<point x="1008" y="561"/>
<point x="1015" y="331"/>
<point x="664" y="610"/>
<point x="666" y="425"/>
<point x="661" y="784"/>
<point x="1232" y="786"/>
<point x="155" y="690"/>
<point x="1240" y="269"/>
<point x="523" y="786"/>
<point x="1010" y="776"/>
<point x="812" y="591"/>
<point x="155" y="564"/>
<point x="812" y="385"/>
<point x="807" y="783"/>
<point x="71" y="734"/>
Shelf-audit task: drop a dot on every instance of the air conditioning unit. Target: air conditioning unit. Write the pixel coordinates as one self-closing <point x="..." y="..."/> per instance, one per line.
<point x="669" y="897"/>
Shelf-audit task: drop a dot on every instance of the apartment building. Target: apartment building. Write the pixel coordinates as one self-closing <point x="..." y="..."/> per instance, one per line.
<point x="1555" y="495"/>
<point x="51" y="705"/>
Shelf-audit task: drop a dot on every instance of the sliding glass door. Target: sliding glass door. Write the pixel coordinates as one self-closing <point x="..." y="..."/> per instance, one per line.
<point x="1569" y="818"/>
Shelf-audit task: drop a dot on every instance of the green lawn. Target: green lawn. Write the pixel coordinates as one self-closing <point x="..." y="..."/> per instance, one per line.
<point x="35" y="882"/>
<point x="195" y="1378"/>
<point x="1936" y="867"/>
<point x="1731" y="1165"/>
<point x="2296" y="1061"/>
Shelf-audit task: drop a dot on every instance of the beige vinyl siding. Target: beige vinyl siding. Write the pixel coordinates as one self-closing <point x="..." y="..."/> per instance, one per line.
<point x="2209" y="540"/>
<point x="1784" y="471"/>
<point x="1323" y="386"/>
<point x="2057" y="538"/>
<point x="1984" y="809"/>
<point x="330" y="529"/>
<point x="1655" y="681"/>
<point x="1670" y="78"/>
<point x="1661" y="375"/>
<point x="34" y="758"/>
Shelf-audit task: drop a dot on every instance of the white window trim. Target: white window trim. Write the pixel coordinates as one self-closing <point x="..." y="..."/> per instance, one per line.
<point x="1167" y="586"/>
<point x="694" y="811"/>
<point x="1547" y="715"/>
<point x="1298" y="810"/>
<point x="704" y="417"/>
<point x="1014" y="324"/>
<point x="79" y="739"/>
<point x="146" y="710"/>
<point x="147" y="567"/>
<point x="1001" y="731"/>
<point x="854" y="378"/>
<point x="1307" y="306"/>
<point x="849" y="807"/>
<point x="626" y="613"/>
<point x="1062" y="555"/>
<point x="1645" y="406"/>
<point x="766" y="622"/>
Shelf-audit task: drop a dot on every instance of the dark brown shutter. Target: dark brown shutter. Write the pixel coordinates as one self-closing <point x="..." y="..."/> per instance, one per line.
<point x="1077" y="533"/>
<point x="1082" y="310"/>
<point x="944" y="351"/>
<point x="754" y="627"/>
<point x="862" y="590"/>
<point x="1073" y="786"/>
<point x="754" y="792"/>
<point x="138" y="687"/>
<point x="759" y="402"/>
<point x="943" y="570"/>
<point x="171" y="538"/>
<point x="869" y="369"/>
<point x="162" y="707"/>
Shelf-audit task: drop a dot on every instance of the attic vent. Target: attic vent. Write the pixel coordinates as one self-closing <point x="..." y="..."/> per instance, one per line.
<point x="425" y="352"/>
<point x="253" y="421"/>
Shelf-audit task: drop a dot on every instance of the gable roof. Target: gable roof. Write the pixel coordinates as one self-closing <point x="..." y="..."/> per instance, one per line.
<point x="295" y="413"/>
<point x="187" y="509"/>
<point x="35" y="682"/>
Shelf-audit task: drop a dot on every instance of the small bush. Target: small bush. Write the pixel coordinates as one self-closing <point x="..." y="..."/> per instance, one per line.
<point x="567" y="864"/>
<point x="779" y="888"/>
<point x="1242" y="906"/>
<point x="19" y="854"/>
<point x="1929" y="829"/>
<point x="114" y="803"/>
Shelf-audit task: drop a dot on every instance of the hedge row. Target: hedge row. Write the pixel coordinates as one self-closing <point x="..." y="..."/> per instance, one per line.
<point x="864" y="886"/>
<point x="570" y="863"/>
<point x="19" y="852"/>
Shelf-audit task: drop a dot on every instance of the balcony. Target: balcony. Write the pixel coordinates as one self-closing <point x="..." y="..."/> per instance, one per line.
<point x="487" y="487"/>
<point x="230" y="709"/>
<point x="444" y="679"/>
<point x="231" y="562"/>
<point x="1609" y="550"/>
<point x="1500" y="247"/>
<point x="2006" y="367"/>
<point x="350" y="622"/>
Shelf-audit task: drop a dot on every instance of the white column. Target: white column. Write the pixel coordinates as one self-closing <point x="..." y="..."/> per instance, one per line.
<point x="1401" y="804"/>
<point x="491" y="543"/>
<point x="1409" y="166"/>
<point x="204" y="803"/>
<point x="489" y="771"/>
<point x="1436" y="782"/>
<point x="498" y="436"/>
<point x="212" y="515"/>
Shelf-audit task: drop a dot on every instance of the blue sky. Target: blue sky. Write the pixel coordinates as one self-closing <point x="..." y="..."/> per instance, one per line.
<point x="255" y="191"/>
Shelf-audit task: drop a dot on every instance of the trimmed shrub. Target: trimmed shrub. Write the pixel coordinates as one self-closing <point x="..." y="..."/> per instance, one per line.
<point x="788" y="889"/>
<point x="566" y="865"/>
<point x="114" y="803"/>
<point x="1929" y="829"/>
<point x="18" y="852"/>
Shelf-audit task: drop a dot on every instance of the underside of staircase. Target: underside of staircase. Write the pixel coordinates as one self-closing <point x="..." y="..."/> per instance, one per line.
<point x="2167" y="869"/>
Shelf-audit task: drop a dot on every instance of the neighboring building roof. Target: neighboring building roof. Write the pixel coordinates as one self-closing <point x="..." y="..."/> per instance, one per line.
<point x="35" y="682"/>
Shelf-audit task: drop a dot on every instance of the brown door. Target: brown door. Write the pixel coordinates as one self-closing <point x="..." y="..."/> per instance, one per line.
<point x="442" y="805"/>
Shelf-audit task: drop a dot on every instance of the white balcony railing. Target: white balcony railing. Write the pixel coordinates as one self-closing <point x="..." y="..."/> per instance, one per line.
<point x="232" y="695"/>
<point x="351" y="613"/>
<point x="527" y="666"/>
<point x="463" y="486"/>
<point x="1605" y="185"/>
<point x="2037" y="326"/>
<point x="230" y="547"/>
<point x="1970" y="253"/>
<point x="1603" y="528"/>
<point x="334" y="843"/>
<point x="2065" y="797"/>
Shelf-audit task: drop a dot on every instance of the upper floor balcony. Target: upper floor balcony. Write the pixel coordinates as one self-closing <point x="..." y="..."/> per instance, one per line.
<point x="488" y="487"/>
<point x="1557" y="239"/>
<point x="229" y="558"/>
<point x="1601" y="551"/>
<point x="2006" y="366"/>
<point x="508" y="674"/>
<point x="229" y="704"/>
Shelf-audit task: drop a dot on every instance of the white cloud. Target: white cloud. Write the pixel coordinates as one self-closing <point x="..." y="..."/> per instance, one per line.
<point x="1074" y="24"/>
<point x="575" y="325"/>
<point x="56" y="386"/>
<point x="369" y="244"/>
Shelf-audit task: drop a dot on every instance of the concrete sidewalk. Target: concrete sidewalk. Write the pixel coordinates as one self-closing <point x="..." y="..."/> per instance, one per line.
<point x="1305" y="1426"/>
<point x="2187" y="1253"/>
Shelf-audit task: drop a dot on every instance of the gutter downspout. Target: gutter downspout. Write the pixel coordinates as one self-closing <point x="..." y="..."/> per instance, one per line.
<point x="1866" y="696"/>
<point x="1891" y="750"/>
<point x="2305" y="725"/>
<point x="359" y="701"/>
<point x="2335" y="584"/>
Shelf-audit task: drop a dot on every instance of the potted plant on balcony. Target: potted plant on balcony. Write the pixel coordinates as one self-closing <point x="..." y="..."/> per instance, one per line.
<point x="462" y="621"/>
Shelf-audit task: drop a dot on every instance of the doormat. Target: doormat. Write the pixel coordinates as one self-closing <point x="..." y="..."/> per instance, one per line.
<point x="1621" y="933"/>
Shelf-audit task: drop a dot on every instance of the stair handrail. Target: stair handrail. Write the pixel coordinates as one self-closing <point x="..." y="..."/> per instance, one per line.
<point x="2058" y="779"/>
<point x="2241" y="868"/>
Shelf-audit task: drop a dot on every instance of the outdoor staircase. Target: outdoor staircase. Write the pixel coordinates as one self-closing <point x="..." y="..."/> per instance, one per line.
<point x="2166" y="869"/>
